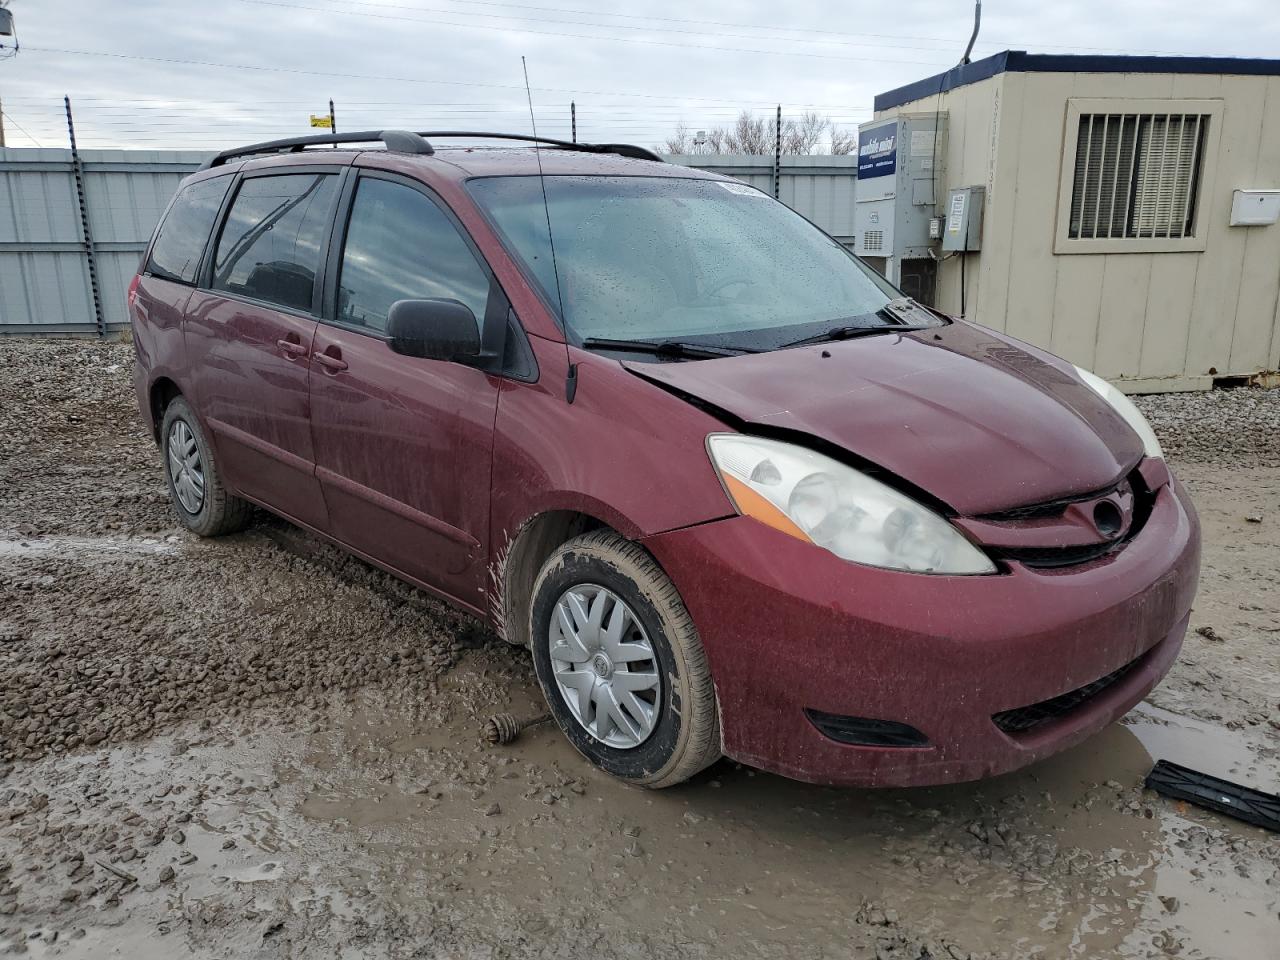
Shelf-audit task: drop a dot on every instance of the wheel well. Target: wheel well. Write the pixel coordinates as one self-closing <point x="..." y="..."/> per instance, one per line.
<point x="520" y="560"/>
<point x="163" y="392"/>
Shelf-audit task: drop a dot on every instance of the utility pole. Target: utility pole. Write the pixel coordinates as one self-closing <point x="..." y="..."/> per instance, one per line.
<point x="573" y="119"/>
<point x="6" y="30"/>
<point x="333" y="122"/>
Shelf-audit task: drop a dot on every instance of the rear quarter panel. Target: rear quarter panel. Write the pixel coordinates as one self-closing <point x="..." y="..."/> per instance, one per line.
<point x="158" y="341"/>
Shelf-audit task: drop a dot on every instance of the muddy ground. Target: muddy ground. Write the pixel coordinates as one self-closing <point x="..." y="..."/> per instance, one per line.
<point x="257" y="747"/>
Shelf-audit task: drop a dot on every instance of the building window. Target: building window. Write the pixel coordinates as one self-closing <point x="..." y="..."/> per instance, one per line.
<point x="1137" y="175"/>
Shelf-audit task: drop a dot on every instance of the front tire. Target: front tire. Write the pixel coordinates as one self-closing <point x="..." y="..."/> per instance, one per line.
<point x="621" y="664"/>
<point x="199" y="497"/>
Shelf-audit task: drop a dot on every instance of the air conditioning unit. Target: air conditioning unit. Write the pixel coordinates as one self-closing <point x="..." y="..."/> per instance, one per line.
<point x="899" y="176"/>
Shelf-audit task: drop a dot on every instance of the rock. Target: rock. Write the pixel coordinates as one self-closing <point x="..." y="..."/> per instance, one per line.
<point x="493" y="810"/>
<point x="166" y="874"/>
<point x="1210" y="634"/>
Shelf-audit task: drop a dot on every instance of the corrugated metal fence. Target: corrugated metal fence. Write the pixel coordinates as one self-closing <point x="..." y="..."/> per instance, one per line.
<point x="44" y="258"/>
<point x="819" y="187"/>
<point x="45" y="282"/>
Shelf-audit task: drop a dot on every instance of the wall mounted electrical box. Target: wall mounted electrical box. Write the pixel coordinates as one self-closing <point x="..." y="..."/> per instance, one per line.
<point x="962" y="228"/>
<point x="899" y="171"/>
<point x="1255" y="208"/>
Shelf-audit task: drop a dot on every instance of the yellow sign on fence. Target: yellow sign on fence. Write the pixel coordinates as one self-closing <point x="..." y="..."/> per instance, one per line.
<point x="326" y="122"/>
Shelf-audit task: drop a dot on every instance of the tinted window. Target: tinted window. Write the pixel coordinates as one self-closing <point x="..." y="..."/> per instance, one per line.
<point x="180" y="241"/>
<point x="270" y="247"/>
<point x="401" y="246"/>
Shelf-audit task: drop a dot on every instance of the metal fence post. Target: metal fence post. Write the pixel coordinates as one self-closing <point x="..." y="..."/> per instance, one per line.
<point x="777" y="155"/>
<point x="78" y="170"/>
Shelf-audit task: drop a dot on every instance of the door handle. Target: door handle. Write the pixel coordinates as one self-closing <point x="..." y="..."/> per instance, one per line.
<point x="291" y="349"/>
<point x="332" y="363"/>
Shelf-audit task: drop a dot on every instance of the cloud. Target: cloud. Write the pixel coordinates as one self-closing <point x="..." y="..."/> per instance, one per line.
<point x="634" y="71"/>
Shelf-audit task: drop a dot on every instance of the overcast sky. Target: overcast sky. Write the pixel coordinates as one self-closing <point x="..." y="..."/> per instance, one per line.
<point x="159" y="74"/>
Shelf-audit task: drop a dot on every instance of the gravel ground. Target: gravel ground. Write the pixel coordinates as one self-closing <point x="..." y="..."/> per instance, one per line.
<point x="1217" y="426"/>
<point x="260" y="747"/>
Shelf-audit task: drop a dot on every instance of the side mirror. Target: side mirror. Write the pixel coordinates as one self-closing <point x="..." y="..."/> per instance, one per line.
<point x="434" y="330"/>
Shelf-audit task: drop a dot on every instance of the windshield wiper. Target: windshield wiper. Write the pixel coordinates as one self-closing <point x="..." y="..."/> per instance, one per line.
<point x="850" y="333"/>
<point x="665" y="348"/>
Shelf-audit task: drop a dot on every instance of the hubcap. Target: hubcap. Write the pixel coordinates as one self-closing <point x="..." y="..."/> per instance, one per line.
<point x="185" y="469"/>
<point x="604" y="666"/>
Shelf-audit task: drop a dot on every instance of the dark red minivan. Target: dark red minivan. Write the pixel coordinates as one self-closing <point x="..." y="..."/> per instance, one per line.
<point x="734" y="491"/>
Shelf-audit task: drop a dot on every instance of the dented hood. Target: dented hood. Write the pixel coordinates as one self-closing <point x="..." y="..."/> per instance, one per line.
<point x="980" y="421"/>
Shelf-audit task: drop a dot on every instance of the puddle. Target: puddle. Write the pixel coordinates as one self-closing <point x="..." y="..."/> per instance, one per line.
<point x="393" y="816"/>
<point x="1234" y="755"/>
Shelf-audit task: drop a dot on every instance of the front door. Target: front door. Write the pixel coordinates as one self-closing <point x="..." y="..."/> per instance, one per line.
<point x="249" y="339"/>
<point x="404" y="445"/>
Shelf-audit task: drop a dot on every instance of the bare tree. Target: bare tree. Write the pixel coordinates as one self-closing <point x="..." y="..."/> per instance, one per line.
<point x="843" y="142"/>
<point x="749" y="135"/>
<point x="758" y="136"/>
<point x="680" y="143"/>
<point x="804" y="135"/>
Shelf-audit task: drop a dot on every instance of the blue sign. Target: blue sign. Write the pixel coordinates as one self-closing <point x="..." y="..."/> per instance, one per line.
<point x="878" y="152"/>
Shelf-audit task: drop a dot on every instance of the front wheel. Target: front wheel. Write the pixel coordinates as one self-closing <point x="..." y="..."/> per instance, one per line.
<point x="620" y="662"/>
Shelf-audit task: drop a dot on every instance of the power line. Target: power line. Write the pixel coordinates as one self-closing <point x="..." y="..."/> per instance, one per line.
<point x="9" y="116"/>
<point x="875" y="40"/>
<point x="585" y="36"/>
<point x="367" y="76"/>
<point x="773" y="28"/>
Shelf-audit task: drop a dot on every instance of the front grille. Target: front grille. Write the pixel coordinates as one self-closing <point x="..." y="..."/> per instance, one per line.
<point x="1049" y="557"/>
<point x="1023" y="719"/>
<point x="866" y="731"/>
<point x="1055" y="508"/>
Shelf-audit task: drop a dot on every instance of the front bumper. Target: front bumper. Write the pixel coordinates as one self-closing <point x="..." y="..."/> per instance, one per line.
<point x="788" y="626"/>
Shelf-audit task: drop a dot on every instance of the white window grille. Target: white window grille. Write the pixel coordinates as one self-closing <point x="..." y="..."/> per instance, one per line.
<point x="1137" y="175"/>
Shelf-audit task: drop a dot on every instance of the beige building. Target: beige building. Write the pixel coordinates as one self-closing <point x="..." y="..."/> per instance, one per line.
<point x="1129" y="208"/>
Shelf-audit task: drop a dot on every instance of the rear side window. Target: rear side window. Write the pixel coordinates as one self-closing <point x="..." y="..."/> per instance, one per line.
<point x="180" y="241"/>
<point x="401" y="246"/>
<point x="270" y="248"/>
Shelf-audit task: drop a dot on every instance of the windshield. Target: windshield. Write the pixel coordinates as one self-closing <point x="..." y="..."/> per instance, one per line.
<point x="661" y="258"/>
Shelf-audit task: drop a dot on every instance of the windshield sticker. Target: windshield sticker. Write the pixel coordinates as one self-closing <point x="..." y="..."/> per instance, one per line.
<point x="742" y="190"/>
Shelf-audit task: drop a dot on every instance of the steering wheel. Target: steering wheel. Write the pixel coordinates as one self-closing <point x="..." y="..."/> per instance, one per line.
<point x="732" y="281"/>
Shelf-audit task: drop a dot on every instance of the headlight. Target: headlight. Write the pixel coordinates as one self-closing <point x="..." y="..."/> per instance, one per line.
<point x="1124" y="406"/>
<point x="814" y="498"/>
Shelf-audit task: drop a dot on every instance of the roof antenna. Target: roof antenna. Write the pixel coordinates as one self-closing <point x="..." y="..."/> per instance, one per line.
<point x="571" y="376"/>
<point x="973" y="38"/>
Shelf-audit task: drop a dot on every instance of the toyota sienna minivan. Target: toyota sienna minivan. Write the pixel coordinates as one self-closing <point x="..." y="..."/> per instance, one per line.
<point x="736" y="494"/>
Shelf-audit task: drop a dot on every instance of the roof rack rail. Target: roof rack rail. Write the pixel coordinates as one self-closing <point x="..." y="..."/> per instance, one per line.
<point x="404" y="141"/>
<point x="400" y="141"/>
<point x="621" y="149"/>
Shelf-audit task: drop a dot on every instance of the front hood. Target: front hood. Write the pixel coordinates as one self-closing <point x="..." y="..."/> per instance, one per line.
<point x="980" y="421"/>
